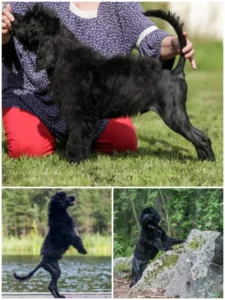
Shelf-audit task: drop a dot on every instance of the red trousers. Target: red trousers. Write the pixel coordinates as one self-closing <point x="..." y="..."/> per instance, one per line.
<point x="27" y="135"/>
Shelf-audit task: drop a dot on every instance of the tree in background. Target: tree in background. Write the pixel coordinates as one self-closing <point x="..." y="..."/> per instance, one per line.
<point x="181" y="210"/>
<point x="24" y="211"/>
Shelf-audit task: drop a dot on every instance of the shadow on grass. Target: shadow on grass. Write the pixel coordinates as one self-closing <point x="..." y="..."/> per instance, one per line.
<point x="168" y="151"/>
<point x="4" y="147"/>
<point x="147" y="152"/>
<point x="153" y="141"/>
<point x="144" y="153"/>
<point x="173" y="152"/>
<point x="165" y="154"/>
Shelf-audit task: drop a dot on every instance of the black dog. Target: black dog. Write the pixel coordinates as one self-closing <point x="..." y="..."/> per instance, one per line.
<point x="87" y="87"/>
<point x="152" y="239"/>
<point x="61" y="235"/>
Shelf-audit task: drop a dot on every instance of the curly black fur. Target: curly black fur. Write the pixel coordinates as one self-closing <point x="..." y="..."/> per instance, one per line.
<point x="60" y="237"/>
<point x="152" y="239"/>
<point x="88" y="87"/>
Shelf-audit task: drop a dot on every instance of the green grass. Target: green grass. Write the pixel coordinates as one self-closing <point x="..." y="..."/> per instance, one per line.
<point x="96" y="244"/>
<point x="163" y="159"/>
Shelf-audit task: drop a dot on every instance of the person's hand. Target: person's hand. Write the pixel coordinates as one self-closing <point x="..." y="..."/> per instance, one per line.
<point x="7" y="18"/>
<point x="189" y="51"/>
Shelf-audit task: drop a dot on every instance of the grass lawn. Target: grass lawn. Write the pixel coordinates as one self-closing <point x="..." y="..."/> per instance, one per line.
<point x="163" y="159"/>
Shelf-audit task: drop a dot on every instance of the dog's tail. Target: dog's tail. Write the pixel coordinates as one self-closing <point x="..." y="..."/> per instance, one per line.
<point x="175" y="21"/>
<point x="22" y="278"/>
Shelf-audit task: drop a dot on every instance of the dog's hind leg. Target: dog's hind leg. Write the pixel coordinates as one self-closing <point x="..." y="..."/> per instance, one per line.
<point x="138" y="267"/>
<point x="178" y="120"/>
<point x="53" y="268"/>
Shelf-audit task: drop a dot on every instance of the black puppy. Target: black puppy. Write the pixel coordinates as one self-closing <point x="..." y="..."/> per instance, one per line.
<point x="152" y="239"/>
<point x="60" y="237"/>
<point x="88" y="87"/>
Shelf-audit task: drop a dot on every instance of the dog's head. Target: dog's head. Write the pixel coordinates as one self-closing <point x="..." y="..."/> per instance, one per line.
<point x="61" y="201"/>
<point x="37" y="25"/>
<point x="149" y="216"/>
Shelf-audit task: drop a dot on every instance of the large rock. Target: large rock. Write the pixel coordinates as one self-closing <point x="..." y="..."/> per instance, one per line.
<point x="158" y="274"/>
<point x="191" y="270"/>
<point x="199" y="269"/>
<point x="122" y="266"/>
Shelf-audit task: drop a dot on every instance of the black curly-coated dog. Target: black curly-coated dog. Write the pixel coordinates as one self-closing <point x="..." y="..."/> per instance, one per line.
<point x="61" y="236"/>
<point x="152" y="239"/>
<point x="88" y="87"/>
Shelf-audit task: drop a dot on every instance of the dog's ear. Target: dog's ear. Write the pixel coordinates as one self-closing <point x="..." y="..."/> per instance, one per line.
<point x="46" y="56"/>
<point x="48" y="17"/>
<point x="52" y="26"/>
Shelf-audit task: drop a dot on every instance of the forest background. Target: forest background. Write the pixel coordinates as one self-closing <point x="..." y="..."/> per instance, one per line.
<point x="181" y="210"/>
<point x="24" y="219"/>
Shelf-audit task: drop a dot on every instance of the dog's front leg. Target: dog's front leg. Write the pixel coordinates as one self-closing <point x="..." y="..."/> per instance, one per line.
<point x="175" y="241"/>
<point x="166" y="243"/>
<point x="80" y="140"/>
<point x="77" y="243"/>
<point x="161" y="243"/>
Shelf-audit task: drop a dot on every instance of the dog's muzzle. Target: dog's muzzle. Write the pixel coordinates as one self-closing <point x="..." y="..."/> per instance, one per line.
<point x="72" y="200"/>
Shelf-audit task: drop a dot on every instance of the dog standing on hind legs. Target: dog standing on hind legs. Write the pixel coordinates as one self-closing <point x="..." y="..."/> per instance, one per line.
<point x="87" y="87"/>
<point x="152" y="239"/>
<point x="61" y="236"/>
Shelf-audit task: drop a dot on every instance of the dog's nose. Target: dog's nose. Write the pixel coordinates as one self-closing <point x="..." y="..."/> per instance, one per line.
<point x="146" y="218"/>
<point x="72" y="198"/>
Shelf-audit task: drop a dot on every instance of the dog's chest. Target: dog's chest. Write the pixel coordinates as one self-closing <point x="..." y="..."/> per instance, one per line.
<point x="70" y="223"/>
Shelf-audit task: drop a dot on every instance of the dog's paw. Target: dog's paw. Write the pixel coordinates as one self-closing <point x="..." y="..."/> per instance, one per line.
<point x="82" y="251"/>
<point x="76" y="155"/>
<point x="73" y="159"/>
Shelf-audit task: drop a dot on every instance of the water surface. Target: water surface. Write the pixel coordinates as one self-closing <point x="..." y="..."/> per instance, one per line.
<point x="79" y="274"/>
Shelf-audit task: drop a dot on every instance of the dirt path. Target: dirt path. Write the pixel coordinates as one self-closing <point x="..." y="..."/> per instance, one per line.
<point x="121" y="289"/>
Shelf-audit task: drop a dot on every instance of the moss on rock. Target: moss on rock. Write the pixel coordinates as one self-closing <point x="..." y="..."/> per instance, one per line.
<point x="196" y="243"/>
<point x="121" y="267"/>
<point x="167" y="261"/>
<point x="151" y="274"/>
<point x="170" y="260"/>
<point x="179" y="247"/>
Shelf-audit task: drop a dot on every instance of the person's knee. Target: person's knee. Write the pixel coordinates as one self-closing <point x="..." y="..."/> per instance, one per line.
<point x="26" y="134"/>
<point x="126" y="139"/>
<point x="17" y="149"/>
<point x="119" y="136"/>
<point x="126" y="144"/>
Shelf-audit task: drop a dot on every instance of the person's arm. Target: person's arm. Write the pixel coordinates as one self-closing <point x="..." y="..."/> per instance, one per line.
<point x="148" y="38"/>
<point x="138" y="30"/>
<point x="9" y="55"/>
<point x="7" y="19"/>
